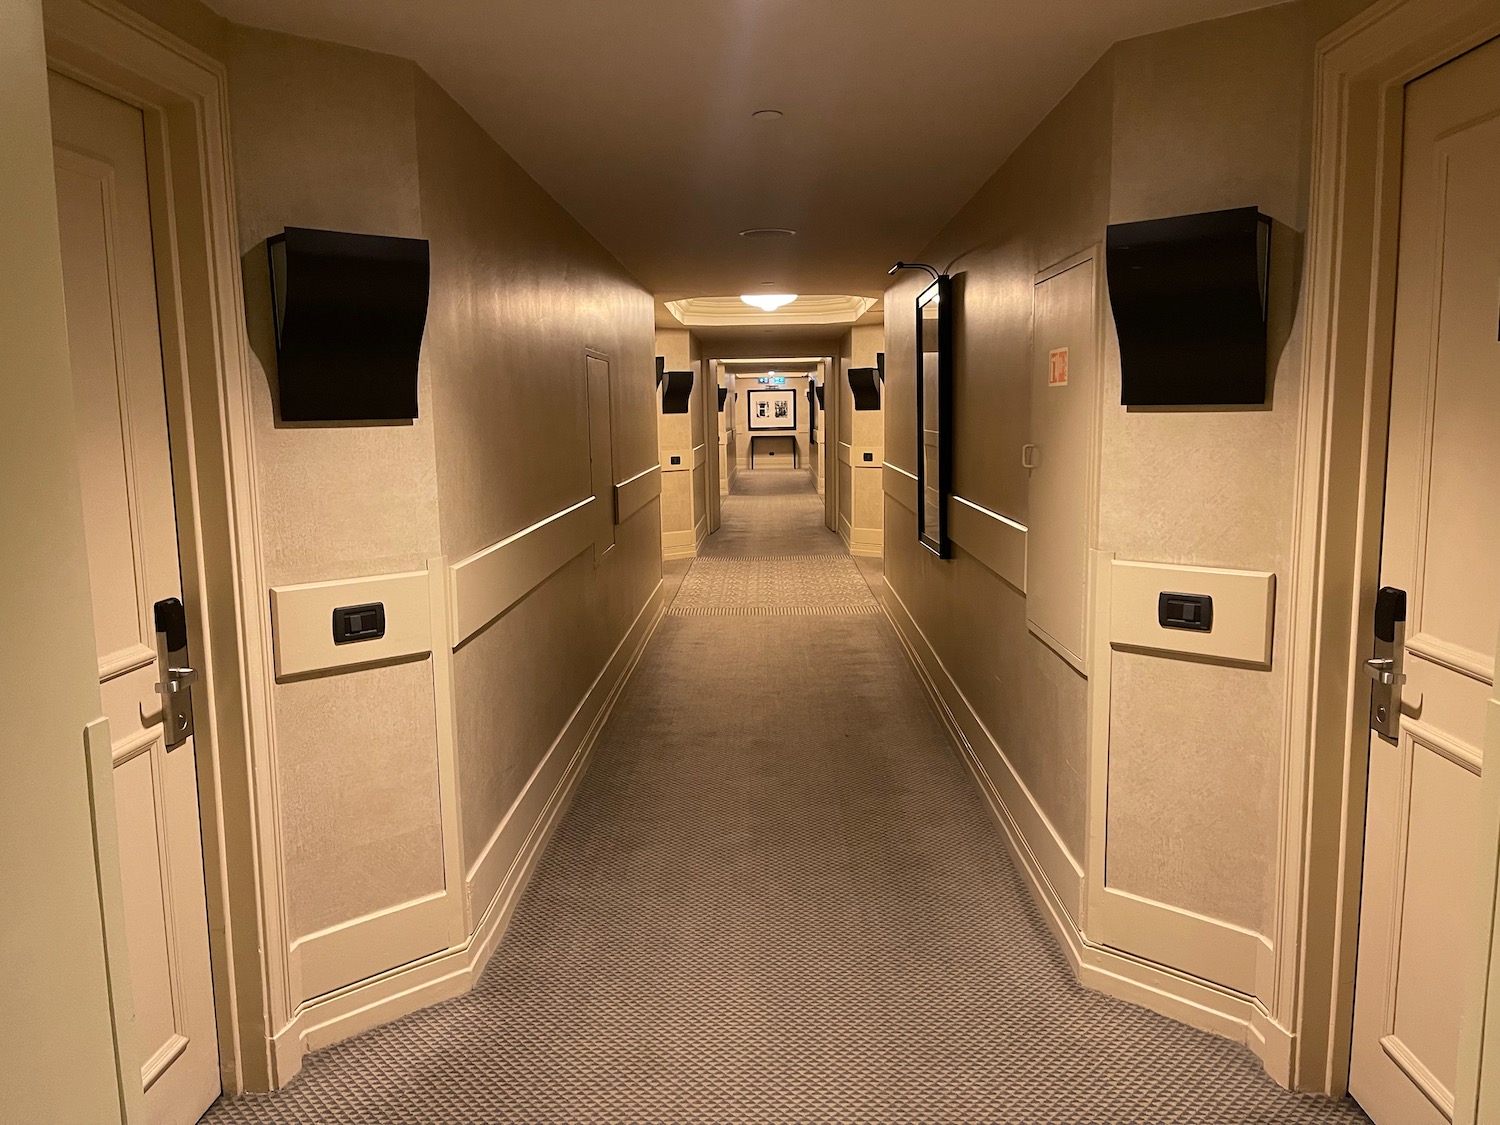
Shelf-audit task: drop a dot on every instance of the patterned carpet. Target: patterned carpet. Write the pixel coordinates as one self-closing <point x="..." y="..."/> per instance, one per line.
<point x="788" y="586"/>
<point x="778" y="897"/>
<point x="772" y="512"/>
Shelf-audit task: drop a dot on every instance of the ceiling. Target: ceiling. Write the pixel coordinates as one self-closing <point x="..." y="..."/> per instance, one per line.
<point x="636" y="114"/>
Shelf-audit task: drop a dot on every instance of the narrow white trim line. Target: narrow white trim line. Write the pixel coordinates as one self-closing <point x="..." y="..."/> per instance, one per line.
<point x="634" y="494"/>
<point x="488" y="582"/>
<point x="997" y="541"/>
<point x="1056" y="883"/>
<point x="495" y="881"/>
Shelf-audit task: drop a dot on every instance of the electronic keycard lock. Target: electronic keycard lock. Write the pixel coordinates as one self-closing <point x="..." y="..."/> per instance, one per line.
<point x="1387" y="666"/>
<point x="177" y="677"/>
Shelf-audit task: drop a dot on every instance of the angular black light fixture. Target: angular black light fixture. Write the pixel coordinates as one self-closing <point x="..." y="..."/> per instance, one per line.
<point x="677" y="388"/>
<point x="350" y="310"/>
<point x="1189" y="299"/>
<point x="864" y="382"/>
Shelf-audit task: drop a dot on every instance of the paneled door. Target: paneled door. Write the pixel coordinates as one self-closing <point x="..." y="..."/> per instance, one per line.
<point x="131" y="528"/>
<point x="1441" y="546"/>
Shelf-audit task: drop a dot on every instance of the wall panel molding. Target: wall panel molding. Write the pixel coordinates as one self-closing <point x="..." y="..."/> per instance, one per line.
<point x="1244" y="607"/>
<point x="564" y="760"/>
<point x="488" y="582"/>
<point x="992" y="767"/>
<point x="417" y="625"/>
<point x="302" y="622"/>
<point x="899" y="485"/>
<point x="363" y="947"/>
<point x="634" y="494"/>
<point x="997" y="541"/>
<point x="689" y="458"/>
<point x="1056" y="882"/>
<point x="494" y="883"/>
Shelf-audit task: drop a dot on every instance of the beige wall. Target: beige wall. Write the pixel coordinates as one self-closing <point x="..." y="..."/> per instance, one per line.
<point x="747" y="381"/>
<point x="1205" y="118"/>
<point x="1018" y="224"/>
<point x="519" y="292"/>
<point x="684" y="499"/>
<point x="325" y="136"/>
<point x="1201" y="118"/>
<point x="57" y="1057"/>
<point x="861" y="500"/>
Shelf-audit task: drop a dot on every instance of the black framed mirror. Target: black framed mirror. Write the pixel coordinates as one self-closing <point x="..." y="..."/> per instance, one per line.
<point x="934" y="413"/>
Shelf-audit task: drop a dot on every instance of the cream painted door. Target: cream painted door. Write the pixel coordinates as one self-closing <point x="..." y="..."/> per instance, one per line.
<point x="131" y="526"/>
<point x="1442" y="546"/>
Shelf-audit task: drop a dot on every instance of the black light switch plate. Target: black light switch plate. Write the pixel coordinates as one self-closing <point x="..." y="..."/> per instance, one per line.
<point x="1194" y="612"/>
<point x="358" y="623"/>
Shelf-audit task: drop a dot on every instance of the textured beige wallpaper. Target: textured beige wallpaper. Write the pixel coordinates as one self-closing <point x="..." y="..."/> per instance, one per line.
<point x="358" y="778"/>
<point x="1047" y="202"/>
<point x="332" y="137"/>
<point x="1206" y="117"/>
<point x="519" y="292"/>
<point x="324" y="136"/>
<point x="1192" y="783"/>
<point x="517" y="681"/>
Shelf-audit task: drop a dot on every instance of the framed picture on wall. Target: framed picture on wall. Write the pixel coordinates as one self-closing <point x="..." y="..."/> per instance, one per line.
<point x="773" y="410"/>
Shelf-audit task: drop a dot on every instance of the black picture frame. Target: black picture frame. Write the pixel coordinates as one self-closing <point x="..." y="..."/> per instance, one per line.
<point x="786" y="394"/>
<point x="934" y="370"/>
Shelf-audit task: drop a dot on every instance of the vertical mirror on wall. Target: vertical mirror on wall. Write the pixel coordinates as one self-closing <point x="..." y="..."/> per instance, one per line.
<point x="934" y="410"/>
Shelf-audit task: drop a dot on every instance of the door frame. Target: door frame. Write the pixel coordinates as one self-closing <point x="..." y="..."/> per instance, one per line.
<point x="183" y="96"/>
<point x="1360" y="75"/>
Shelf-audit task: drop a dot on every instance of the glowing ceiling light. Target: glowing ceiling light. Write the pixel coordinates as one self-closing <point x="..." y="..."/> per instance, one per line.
<point x="770" y="302"/>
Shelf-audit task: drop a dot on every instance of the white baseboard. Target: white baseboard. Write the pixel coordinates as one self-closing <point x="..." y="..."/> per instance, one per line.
<point x="679" y="544"/>
<point x="867" y="542"/>
<point x="495" y="880"/>
<point x="1056" y="880"/>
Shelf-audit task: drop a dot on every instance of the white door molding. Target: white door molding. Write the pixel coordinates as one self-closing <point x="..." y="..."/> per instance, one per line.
<point x="1361" y="72"/>
<point x="183" y="95"/>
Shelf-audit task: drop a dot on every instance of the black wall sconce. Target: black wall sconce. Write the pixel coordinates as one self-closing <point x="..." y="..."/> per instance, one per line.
<point x="677" y="388"/>
<point x="864" y="382"/>
<point x="723" y="394"/>
<point x="350" y="311"/>
<point x="1189" y="299"/>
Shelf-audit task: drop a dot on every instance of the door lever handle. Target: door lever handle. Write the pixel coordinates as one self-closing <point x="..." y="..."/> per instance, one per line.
<point x="178" y="676"/>
<point x="176" y="680"/>
<point x="1386" y="666"/>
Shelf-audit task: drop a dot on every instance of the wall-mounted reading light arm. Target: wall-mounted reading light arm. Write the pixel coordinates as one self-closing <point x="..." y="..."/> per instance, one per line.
<point x="913" y="266"/>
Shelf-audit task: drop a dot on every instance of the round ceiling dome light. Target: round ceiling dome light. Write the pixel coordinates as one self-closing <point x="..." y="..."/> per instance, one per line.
<point x="767" y="232"/>
<point x="767" y="115"/>
<point x="769" y="302"/>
